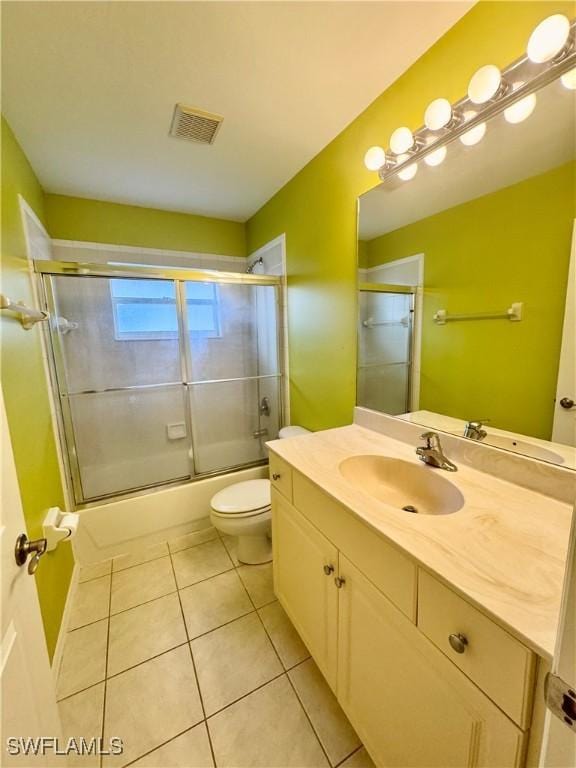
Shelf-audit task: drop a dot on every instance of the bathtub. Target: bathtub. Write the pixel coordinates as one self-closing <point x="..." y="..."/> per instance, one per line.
<point x="127" y="525"/>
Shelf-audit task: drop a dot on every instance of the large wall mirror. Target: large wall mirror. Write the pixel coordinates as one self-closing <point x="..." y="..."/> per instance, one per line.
<point x="466" y="285"/>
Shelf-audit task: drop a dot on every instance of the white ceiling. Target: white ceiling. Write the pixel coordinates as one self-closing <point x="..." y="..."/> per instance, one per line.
<point x="506" y="155"/>
<point x="89" y="90"/>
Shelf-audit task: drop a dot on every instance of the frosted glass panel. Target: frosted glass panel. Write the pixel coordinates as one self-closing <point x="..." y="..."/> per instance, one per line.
<point x="384" y="351"/>
<point x="127" y="332"/>
<point x="231" y="331"/>
<point x="225" y="419"/>
<point x="126" y="440"/>
<point x="383" y="388"/>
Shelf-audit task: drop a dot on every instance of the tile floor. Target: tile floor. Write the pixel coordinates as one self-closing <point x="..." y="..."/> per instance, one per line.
<point x="189" y="658"/>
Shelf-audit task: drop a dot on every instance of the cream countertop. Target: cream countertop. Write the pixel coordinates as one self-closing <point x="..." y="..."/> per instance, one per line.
<point x="505" y="550"/>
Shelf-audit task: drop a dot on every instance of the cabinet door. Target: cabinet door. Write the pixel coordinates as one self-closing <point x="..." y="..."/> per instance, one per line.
<point x="409" y="704"/>
<point x="308" y="594"/>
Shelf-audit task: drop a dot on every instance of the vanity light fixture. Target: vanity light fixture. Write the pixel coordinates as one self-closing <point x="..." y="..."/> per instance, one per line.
<point x="521" y="110"/>
<point x="549" y="39"/>
<point x="474" y="135"/>
<point x="375" y="158"/>
<point x="401" y="140"/>
<point x="551" y="55"/>
<point x="409" y="171"/>
<point x="435" y="158"/>
<point x="485" y="84"/>
<point x="438" y="114"/>
<point x="568" y="80"/>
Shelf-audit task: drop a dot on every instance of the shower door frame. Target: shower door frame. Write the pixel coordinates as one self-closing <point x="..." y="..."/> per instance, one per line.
<point x="364" y="287"/>
<point x="46" y="269"/>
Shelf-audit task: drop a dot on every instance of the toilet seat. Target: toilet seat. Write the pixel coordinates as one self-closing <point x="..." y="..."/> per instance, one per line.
<point x="246" y="499"/>
<point x="240" y="515"/>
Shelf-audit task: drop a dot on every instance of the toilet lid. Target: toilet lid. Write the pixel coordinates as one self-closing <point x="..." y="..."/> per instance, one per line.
<point x="294" y="431"/>
<point x="242" y="497"/>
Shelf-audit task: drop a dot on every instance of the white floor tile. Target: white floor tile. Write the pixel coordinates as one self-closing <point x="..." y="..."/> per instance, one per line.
<point x="81" y="716"/>
<point x="191" y="750"/>
<point x="142" y="583"/>
<point x="258" y="581"/>
<point x="151" y="703"/>
<point x="286" y="640"/>
<point x="267" y="729"/>
<point x="232" y="661"/>
<point x="145" y="631"/>
<point x="137" y="558"/>
<point x="200" y="562"/>
<point x="360" y="759"/>
<point x="231" y="544"/>
<point x="83" y="658"/>
<point x="95" y="570"/>
<point x="214" y="602"/>
<point x="91" y="602"/>
<point x="331" y="724"/>
<point x="192" y="539"/>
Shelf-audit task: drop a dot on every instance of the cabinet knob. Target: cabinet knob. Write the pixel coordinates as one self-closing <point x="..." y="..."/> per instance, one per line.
<point x="328" y="569"/>
<point x="458" y="642"/>
<point x="339" y="581"/>
<point x="276" y="476"/>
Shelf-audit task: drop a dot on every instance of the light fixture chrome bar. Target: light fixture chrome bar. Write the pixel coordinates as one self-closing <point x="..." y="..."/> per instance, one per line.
<point x="532" y="77"/>
<point x="28" y="316"/>
<point x="152" y="273"/>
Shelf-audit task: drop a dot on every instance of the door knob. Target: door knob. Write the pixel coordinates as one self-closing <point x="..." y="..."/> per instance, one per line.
<point x="25" y="547"/>
<point x="567" y="403"/>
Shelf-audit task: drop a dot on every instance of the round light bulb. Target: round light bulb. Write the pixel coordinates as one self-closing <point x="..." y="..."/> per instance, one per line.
<point x="521" y="110"/>
<point x="410" y="171"/>
<point x="548" y="39"/>
<point x="436" y="157"/>
<point x="568" y="80"/>
<point x="474" y="135"/>
<point x="438" y="114"/>
<point x="375" y="158"/>
<point x="401" y="140"/>
<point x="484" y="84"/>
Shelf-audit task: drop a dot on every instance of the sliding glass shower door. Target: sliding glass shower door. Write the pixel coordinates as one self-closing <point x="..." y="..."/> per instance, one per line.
<point x="162" y="380"/>
<point x="384" y="349"/>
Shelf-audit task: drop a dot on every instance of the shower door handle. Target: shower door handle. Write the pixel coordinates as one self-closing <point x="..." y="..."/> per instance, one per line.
<point x="259" y="433"/>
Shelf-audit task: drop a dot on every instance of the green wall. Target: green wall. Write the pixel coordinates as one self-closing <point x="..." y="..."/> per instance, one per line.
<point x="25" y="389"/>
<point x="511" y="245"/>
<point x="317" y="208"/>
<point x="96" y="221"/>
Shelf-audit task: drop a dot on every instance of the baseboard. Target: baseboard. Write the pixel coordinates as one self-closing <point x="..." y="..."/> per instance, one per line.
<point x="59" y="650"/>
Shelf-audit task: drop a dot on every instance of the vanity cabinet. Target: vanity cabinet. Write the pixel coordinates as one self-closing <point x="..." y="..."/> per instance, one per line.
<point x="409" y="704"/>
<point x="305" y="564"/>
<point x="409" y="701"/>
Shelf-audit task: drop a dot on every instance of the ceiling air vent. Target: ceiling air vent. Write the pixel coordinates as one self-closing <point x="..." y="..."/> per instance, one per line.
<point x="194" y="124"/>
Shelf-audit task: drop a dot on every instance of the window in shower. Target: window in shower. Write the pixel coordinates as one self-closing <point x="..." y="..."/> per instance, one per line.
<point x="143" y="309"/>
<point x="200" y="396"/>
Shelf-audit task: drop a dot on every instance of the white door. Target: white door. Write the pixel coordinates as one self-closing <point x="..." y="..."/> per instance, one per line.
<point x="28" y="698"/>
<point x="564" y="429"/>
<point x="559" y="747"/>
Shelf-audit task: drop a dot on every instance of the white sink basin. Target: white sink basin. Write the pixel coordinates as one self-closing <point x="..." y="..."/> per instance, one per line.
<point x="526" y="449"/>
<point x="409" y="487"/>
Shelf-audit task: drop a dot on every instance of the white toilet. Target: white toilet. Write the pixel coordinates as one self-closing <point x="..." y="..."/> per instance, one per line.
<point x="243" y="510"/>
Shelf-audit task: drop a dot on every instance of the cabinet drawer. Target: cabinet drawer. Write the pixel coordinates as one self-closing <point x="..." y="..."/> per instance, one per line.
<point x="281" y="475"/>
<point x="498" y="663"/>
<point x="386" y="567"/>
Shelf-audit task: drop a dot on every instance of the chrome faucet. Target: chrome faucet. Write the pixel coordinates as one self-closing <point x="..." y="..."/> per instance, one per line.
<point x="431" y="453"/>
<point x="473" y="429"/>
